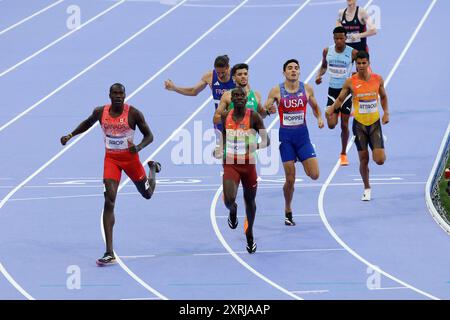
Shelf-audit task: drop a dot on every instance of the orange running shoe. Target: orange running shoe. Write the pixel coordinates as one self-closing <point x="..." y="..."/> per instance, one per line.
<point x="344" y="160"/>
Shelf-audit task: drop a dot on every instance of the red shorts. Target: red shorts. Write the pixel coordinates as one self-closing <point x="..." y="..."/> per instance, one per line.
<point x="115" y="162"/>
<point x="241" y="172"/>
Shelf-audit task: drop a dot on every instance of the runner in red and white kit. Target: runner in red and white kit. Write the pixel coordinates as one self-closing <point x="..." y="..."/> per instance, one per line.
<point x="240" y="126"/>
<point x="118" y="121"/>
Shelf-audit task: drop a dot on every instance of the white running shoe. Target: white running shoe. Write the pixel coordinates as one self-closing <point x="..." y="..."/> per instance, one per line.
<point x="366" y="195"/>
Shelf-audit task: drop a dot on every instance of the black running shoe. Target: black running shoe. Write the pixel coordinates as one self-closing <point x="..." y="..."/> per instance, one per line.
<point x="156" y="164"/>
<point x="288" y="219"/>
<point x="232" y="219"/>
<point x="107" y="259"/>
<point x="251" y="247"/>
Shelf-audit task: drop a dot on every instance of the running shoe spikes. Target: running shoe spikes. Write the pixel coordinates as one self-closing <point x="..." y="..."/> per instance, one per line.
<point x="366" y="195"/>
<point x="343" y="159"/>
<point x="251" y="247"/>
<point x="156" y="164"/>
<point x="107" y="259"/>
<point x="232" y="220"/>
<point x="288" y="219"/>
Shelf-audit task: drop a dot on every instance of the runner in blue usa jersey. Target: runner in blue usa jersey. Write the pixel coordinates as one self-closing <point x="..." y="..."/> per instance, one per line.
<point x="291" y="97"/>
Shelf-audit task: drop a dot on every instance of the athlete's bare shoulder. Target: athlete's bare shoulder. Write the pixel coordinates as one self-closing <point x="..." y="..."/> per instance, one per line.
<point x="207" y="77"/>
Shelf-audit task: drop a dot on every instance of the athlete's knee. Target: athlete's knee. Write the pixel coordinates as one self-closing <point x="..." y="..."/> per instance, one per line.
<point x="380" y="161"/>
<point x="314" y="174"/>
<point x="290" y="180"/>
<point x="109" y="204"/>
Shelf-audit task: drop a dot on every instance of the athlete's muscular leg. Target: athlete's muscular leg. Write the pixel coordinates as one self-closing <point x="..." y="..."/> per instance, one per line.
<point x="110" y="193"/>
<point x="288" y="188"/>
<point x="250" y="210"/>
<point x="146" y="187"/>
<point x="344" y="132"/>
<point x="364" y="167"/>
<point x="379" y="156"/>
<point x="311" y="166"/>
<point x="230" y="191"/>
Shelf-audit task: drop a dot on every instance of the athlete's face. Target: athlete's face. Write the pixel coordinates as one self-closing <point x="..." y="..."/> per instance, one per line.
<point x="117" y="95"/>
<point x="241" y="77"/>
<point x="239" y="98"/>
<point x="292" y="72"/>
<point x="222" y="73"/>
<point x="362" y="65"/>
<point x="339" y="40"/>
<point x="351" y="3"/>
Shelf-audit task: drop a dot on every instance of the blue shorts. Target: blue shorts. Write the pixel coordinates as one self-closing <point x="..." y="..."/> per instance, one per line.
<point x="296" y="152"/>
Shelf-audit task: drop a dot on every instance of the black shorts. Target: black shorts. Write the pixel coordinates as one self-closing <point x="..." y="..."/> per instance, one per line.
<point x="346" y="106"/>
<point x="368" y="135"/>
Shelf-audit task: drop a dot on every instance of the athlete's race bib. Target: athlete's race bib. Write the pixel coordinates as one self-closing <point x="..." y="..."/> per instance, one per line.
<point x="293" y="119"/>
<point x="236" y="147"/>
<point x="368" y="106"/>
<point x="116" y="143"/>
<point x="337" y="72"/>
<point x="350" y="38"/>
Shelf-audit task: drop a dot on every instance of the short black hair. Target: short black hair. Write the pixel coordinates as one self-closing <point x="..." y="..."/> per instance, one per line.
<point x="222" y="61"/>
<point x="290" y="61"/>
<point x="237" y="89"/>
<point x="237" y="67"/>
<point x="362" y="54"/>
<point x="117" y="84"/>
<point x="339" y="29"/>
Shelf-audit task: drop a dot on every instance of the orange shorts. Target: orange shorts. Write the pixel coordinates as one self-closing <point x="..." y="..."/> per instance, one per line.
<point x="241" y="172"/>
<point x="115" y="162"/>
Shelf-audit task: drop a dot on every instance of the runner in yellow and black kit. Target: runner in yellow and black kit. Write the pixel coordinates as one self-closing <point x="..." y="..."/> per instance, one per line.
<point x="365" y="88"/>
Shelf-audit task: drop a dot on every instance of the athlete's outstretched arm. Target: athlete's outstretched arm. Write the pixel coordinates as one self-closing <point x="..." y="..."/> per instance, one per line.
<point x="314" y="105"/>
<point x="323" y="67"/>
<point x="190" y="91"/>
<point x="345" y="91"/>
<point x="145" y="130"/>
<point x="271" y="99"/>
<point x="258" y="126"/>
<point x="222" y="108"/>
<point x="384" y="103"/>
<point x="83" y="126"/>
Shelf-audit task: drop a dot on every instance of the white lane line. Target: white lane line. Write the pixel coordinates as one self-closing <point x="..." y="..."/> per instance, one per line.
<point x="15" y="283"/>
<point x="51" y="44"/>
<point x="311" y="291"/>
<point x="118" y="259"/>
<point x="30" y="17"/>
<point x="389" y="288"/>
<point x="261" y="186"/>
<point x="434" y="213"/>
<point x="20" y="115"/>
<point x="212" y="211"/>
<point x="336" y="167"/>
<point x="69" y="146"/>
<point x="227" y="253"/>
<point x="219" y="191"/>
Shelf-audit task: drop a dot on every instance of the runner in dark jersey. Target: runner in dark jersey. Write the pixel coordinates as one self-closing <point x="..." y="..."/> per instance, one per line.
<point x="119" y="121"/>
<point x="358" y="25"/>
